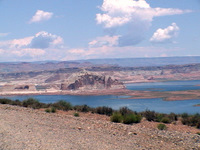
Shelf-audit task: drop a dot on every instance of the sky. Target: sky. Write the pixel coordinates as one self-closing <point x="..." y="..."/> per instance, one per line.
<point x="39" y="30"/>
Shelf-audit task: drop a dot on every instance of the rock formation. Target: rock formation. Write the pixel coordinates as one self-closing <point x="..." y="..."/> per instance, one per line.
<point x="90" y="82"/>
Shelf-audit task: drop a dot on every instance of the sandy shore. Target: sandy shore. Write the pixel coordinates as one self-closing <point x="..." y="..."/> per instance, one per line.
<point x="25" y="129"/>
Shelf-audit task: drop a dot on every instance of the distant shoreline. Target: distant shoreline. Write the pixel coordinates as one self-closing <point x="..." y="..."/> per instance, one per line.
<point x="165" y="95"/>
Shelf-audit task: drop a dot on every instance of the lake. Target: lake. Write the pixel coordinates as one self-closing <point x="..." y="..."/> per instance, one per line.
<point x="156" y="104"/>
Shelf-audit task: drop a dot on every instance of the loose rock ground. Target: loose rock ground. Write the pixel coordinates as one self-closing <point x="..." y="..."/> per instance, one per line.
<point x="29" y="129"/>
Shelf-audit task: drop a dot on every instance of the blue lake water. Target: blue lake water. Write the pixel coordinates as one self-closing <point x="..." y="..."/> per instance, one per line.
<point x="166" y="86"/>
<point x="116" y="102"/>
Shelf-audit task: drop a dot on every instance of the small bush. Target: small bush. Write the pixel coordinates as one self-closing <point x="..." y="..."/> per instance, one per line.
<point x="191" y="120"/>
<point x="5" y="101"/>
<point x="173" y="117"/>
<point x="104" y="110"/>
<point x="165" y="120"/>
<point x="17" y="103"/>
<point x="161" y="127"/>
<point x="48" y="110"/>
<point x="76" y="114"/>
<point x="116" y="117"/>
<point x="198" y="133"/>
<point x="149" y="115"/>
<point x="125" y="111"/>
<point x="82" y="108"/>
<point x="131" y="118"/>
<point x="62" y="105"/>
<point x="31" y="102"/>
<point x="159" y="117"/>
<point x="53" y="109"/>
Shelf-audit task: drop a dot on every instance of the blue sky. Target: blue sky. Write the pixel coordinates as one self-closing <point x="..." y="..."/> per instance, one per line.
<point x="36" y="30"/>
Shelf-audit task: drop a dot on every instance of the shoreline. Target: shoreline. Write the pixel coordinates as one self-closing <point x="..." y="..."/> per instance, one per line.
<point x="165" y="95"/>
<point x="78" y="92"/>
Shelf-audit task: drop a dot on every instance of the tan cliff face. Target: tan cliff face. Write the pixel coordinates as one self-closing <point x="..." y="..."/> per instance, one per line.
<point x="91" y="81"/>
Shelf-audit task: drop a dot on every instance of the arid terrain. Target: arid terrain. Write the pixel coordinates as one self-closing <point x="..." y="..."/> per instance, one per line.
<point x="25" y="128"/>
<point x="91" y="79"/>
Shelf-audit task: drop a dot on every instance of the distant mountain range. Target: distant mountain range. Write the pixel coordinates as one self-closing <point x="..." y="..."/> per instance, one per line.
<point x="143" y="62"/>
<point x="121" y="62"/>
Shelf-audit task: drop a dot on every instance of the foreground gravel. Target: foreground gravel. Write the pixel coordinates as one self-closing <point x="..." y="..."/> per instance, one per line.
<point x="28" y="129"/>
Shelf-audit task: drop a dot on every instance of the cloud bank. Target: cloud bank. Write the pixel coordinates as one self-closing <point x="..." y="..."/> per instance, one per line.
<point x="133" y="16"/>
<point x="40" y="16"/>
<point x="42" y="43"/>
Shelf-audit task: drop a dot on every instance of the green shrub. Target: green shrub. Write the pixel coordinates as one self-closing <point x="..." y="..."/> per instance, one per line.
<point x="159" y="117"/>
<point x="131" y="118"/>
<point x="104" y="110"/>
<point x="116" y="117"/>
<point x="48" y="110"/>
<point x="149" y="115"/>
<point x="191" y="120"/>
<point x="125" y="111"/>
<point x="17" y="103"/>
<point x="62" y="105"/>
<point x="5" y="101"/>
<point x="53" y="109"/>
<point x="161" y="127"/>
<point x="31" y="102"/>
<point x="198" y="133"/>
<point x="82" y="108"/>
<point x="173" y="117"/>
<point x="165" y="120"/>
<point x="76" y="114"/>
<point x="184" y="115"/>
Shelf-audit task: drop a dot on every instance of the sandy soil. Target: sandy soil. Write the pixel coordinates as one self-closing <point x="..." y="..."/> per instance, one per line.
<point x="25" y="129"/>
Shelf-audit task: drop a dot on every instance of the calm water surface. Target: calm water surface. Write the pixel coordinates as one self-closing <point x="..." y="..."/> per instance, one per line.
<point x="116" y="102"/>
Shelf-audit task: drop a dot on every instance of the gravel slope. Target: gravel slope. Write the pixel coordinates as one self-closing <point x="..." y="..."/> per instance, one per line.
<point x="28" y="129"/>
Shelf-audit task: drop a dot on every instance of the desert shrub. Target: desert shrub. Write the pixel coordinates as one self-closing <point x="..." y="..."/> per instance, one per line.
<point x="125" y="111"/>
<point x="191" y="120"/>
<point x="76" y="114"/>
<point x="82" y="108"/>
<point x="116" y="117"/>
<point x="131" y="118"/>
<point x="173" y="117"/>
<point x="16" y="102"/>
<point x="184" y="115"/>
<point x="48" y="110"/>
<point x="198" y="133"/>
<point x="161" y="127"/>
<point x="31" y="102"/>
<point x="104" y="110"/>
<point x="53" y="109"/>
<point x="62" y="105"/>
<point x="5" y="101"/>
<point x="165" y="120"/>
<point x="149" y="115"/>
<point x="159" y="117"/>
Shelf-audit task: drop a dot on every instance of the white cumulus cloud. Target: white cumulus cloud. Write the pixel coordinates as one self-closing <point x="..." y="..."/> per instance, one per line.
<point x="41" y="15"/>
<point x="165" y="35"/>
<point x="131" y="18"/>
<point x="119" y="12"/>
<point x="45" y="40"/>
<point x="42" y="45"/>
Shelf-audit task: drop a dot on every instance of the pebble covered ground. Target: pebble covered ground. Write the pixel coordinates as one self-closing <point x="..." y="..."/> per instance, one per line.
<point x="29" y="129"/>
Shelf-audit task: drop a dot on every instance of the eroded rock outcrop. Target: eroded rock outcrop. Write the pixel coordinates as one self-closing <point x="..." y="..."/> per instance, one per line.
<point x="90" y="82"/>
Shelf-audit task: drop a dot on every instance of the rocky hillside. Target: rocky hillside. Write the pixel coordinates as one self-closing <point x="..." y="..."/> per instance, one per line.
<point x="90" y="82"/>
